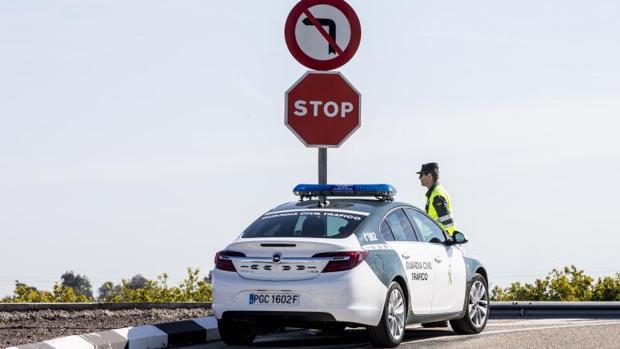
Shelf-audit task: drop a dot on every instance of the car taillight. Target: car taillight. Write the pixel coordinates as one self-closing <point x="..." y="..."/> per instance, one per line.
<point x="223" y="262"/>
<point x="340" y="261"/>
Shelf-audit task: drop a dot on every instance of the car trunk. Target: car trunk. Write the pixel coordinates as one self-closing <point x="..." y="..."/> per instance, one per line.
<point x="282" y="259"/>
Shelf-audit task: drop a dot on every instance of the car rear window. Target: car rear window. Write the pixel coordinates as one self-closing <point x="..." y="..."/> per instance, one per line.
<point x="315" y="223"/>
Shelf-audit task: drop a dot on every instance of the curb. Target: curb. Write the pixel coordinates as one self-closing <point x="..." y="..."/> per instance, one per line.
<point x="172" y="334"/>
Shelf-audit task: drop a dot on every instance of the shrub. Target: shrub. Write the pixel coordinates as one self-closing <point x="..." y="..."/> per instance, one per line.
<point x="137" y="289"/>
<point x="60" y="294"/>
<point x="191" y="289"/>
<point x="607" y="289"/>
<point x="568" y="284"/>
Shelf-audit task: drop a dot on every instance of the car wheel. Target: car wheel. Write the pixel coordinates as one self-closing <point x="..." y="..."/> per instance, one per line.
<point x="477" y="312"/>
<point x="391" y="329"/>
<point x="236" y="332"/>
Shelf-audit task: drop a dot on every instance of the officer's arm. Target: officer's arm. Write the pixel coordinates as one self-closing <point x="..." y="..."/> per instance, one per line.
<point x="441" y="206"/>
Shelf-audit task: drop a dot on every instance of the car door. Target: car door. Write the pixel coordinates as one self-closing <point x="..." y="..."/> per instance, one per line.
<point x="448" y="265"/>
<point x="415" y="258"/>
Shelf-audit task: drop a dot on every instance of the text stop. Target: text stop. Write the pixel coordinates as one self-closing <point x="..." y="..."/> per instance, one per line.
<point x="330" y="109"/>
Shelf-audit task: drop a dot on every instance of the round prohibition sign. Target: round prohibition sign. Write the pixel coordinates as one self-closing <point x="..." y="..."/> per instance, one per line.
<point x="322" y="34"/>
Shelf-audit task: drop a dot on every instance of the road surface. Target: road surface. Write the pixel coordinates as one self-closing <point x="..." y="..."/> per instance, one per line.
<point x="539" y="333"/>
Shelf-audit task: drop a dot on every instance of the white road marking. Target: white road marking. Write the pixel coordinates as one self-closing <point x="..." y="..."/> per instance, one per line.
<point x="489" y="333"/>
<point x="537" y="322"/>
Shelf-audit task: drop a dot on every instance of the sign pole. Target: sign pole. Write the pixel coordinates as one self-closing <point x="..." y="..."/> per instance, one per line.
<point x="328" y="93"/>
<point x="322" y="165"/>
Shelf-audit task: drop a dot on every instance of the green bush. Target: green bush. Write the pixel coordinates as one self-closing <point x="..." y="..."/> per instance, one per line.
<point x="191" y="289"/>
<point x="136" y="289"/>
<point x="568" y="284"/>
<point x="60" y="294"/>
<point x="607" y="289"/>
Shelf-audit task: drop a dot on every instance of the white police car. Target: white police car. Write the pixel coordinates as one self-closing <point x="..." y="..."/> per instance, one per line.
<point x="347" y="262"/>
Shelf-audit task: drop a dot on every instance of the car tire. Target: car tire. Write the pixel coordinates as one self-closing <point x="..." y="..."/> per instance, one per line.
<point x="477" y="309"/>
<point x="390" y="331"/>
<point x="236" y="332"/>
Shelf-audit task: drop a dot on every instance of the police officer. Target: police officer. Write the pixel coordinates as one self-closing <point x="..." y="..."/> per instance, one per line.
<point x="438" y="203"/>
<point x="439" y="207"/>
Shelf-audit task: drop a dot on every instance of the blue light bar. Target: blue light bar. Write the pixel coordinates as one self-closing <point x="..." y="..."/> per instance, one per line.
<point x="377" y="190"/>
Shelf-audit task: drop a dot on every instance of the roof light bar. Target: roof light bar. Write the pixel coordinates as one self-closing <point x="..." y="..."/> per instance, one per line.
<point x="381" y="191"/>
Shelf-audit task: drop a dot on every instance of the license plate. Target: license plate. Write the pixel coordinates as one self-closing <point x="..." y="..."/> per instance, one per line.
<point x="274" y="298"/>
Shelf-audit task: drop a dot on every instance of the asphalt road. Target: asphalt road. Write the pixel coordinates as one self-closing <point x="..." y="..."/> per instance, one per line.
<point x="544" y="333"/>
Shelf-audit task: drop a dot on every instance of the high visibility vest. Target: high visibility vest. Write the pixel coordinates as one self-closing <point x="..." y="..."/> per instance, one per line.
<point x="439" y="207"/>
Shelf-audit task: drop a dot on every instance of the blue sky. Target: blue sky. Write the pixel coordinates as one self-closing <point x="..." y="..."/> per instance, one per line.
<point x="143" y="136"/>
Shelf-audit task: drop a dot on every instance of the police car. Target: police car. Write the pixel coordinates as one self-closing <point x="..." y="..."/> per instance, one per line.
<point x="351" y="258"/>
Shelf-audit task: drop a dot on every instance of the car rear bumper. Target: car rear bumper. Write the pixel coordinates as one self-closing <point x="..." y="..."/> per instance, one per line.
<point x="354" y="296"/>
<point x="282" y="318"/>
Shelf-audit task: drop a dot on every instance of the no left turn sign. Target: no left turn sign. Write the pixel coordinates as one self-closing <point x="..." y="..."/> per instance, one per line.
<point x="322" y="34"/>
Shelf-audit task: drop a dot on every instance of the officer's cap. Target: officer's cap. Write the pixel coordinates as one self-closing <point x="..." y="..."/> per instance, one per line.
<point x="430" y="167"/>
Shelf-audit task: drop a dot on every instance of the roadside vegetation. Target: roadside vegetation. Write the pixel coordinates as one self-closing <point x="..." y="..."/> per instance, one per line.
<point x="77" y="289"/>
<point x="567" y="284"/>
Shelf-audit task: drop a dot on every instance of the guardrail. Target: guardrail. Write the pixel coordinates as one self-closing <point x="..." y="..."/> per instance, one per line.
<point x="499" y="310"/>
<point x="547" y="310"/>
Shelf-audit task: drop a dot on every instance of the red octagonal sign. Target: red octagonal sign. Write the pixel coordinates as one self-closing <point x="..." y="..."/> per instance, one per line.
<point x="322" y="109"/>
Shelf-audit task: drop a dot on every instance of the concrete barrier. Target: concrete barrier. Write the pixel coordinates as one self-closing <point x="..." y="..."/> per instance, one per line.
<point x="103" y="306"/>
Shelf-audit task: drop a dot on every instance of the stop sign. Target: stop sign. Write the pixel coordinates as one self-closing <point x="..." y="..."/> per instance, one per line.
<point x="322" y="109"/>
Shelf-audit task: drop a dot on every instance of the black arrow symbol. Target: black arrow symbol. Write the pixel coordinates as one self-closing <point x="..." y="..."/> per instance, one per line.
<point x="331" y="25"/>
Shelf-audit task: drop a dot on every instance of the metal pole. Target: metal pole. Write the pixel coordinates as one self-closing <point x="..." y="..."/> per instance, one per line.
<point x="322" y="165"/>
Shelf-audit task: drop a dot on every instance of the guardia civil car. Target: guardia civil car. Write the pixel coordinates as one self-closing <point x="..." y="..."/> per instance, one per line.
<point x="351" y="258"/>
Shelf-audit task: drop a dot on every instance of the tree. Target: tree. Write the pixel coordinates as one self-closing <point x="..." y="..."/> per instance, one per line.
<point x="137" y="282"/>
<point x="105" y="291"/>
<point x="108" y="291"/>
<point x="79" y="283"/>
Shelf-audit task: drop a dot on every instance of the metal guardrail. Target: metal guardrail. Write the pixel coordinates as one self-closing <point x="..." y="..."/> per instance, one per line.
<point x="548" y="310"/>
<point x="499" y="310"/>
<point x="103" y="306"/>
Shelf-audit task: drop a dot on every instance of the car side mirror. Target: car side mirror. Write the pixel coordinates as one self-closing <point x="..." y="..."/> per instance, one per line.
<point x="435" y="241"/>
<point x="458" y="238"/>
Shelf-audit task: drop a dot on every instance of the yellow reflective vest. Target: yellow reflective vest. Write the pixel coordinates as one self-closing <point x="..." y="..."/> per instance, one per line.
<point x="439" y="207"/>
